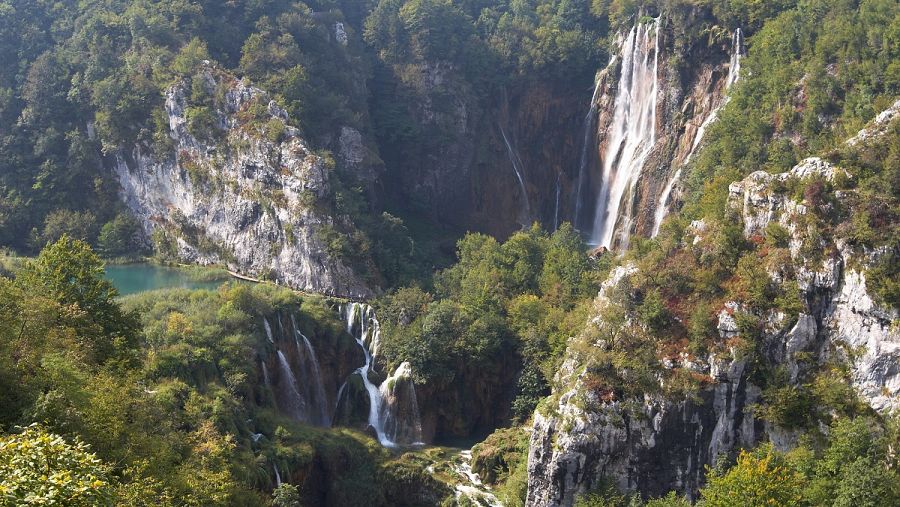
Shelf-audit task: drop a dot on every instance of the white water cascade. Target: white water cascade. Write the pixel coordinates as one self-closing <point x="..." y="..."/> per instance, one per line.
<point x="737" y="51"/>
<point x="471" y="488"/>
<point x="520" y="177"/>
<point x="393" y="424"/>
<point x="268" y="329"/>
<point x="734" y="70"/>
<point x="631" y="135"/>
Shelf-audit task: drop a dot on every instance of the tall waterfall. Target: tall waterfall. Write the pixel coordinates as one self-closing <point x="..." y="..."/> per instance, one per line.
<point x="631" y="136"/>
<point x="590" y="121"/>
<point x="520" y="177"/>
<point x="734" y="70"/>
<point x="393" y="414"/>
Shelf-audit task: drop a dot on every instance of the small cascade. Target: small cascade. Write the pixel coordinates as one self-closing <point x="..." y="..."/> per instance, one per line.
<point x="734" y="72"/>
<point x="471" y="488"/>
<point x="265" y="372"/>
<point x="400" y="409"/>
<point x="277" y="475"/>
<point x="313" y="387"/>
<point x="590" y="121"/>
<point x="660" y="212"/>
<point x="632" y="134"/>
<point x="520" y="176"/>
<point x="290" y="393"/>
<point x="393" y="409"/>
<point x="737" y="51"/>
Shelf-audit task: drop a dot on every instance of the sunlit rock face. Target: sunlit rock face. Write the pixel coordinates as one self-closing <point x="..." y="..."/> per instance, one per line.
<point x="242" y="192"/>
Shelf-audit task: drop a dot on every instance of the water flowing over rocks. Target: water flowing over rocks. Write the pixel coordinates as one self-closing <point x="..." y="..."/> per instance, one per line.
<point x="237" y="198"/>
<point x="393" y="409"/>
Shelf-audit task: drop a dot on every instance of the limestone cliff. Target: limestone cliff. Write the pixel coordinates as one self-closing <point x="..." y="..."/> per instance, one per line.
<point x="653" y="443"/>
<point x="242" y="188"/>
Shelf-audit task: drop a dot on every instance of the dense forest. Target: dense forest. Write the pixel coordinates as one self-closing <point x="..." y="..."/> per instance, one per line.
<point x="353" y="158"/>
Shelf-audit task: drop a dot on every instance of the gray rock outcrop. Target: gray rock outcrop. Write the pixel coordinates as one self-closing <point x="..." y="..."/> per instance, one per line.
<point x="244" y="194"/>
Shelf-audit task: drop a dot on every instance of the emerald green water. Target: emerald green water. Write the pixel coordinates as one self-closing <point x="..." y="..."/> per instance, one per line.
<point x="136" y="278"/>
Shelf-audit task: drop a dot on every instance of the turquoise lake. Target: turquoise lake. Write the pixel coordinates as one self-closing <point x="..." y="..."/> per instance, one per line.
<point x="137" y="278"/>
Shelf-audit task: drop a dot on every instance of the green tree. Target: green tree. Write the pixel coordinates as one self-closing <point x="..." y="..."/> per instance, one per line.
<point x="71" y="274"/>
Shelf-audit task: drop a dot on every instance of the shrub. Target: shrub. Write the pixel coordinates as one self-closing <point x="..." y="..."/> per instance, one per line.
<point x="40" y="468"/>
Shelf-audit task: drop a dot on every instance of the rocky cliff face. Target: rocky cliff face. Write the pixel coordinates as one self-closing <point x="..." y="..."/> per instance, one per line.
<point x="241" y="190"/>
<point x="653" y="444"/>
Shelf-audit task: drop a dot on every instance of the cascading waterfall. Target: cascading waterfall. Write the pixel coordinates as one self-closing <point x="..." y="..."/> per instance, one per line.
<point x="734" y="70"/>
<point x="400" y="409"/>
<point x="277" y="475"/>
<point x="354" y="312"/>
<point x="293" y="400"/>
<point x="632" y="134"/>
<point x="314" y="389"/>
<point x="520" y="176"/>
<point x="660" y="212"/>
<point x="586" y="145"/>
<point x="391" y="424"/>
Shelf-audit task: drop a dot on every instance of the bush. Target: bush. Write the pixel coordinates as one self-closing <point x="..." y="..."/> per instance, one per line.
<point x="758" y="479"/>
<point x="40" y="468"/>
<point x="201" y="122"/>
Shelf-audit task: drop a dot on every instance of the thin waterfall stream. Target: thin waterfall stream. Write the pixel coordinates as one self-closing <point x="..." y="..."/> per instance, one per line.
<point x="520" y="177"/>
